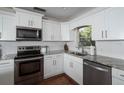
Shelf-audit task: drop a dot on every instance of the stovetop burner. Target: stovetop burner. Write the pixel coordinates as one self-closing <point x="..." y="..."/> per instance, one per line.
<point x="28" y="51"/>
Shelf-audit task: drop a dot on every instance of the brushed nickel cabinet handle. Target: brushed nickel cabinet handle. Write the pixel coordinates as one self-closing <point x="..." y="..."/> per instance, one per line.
<point x="102" y="34"/>
<point x="28" y="23"/>
<point x="121" y="75"/>
<point x="106" y="34"/>
<point x="55" y="62"/>
<point x="31" y="23"/>
<point x="0" y="35"/>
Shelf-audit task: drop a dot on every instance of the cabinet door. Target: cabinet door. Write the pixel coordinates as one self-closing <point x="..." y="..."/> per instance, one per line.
<point x="73" y="68"/>
<point x="9" y="28"/>
<point x="66" y="62"/>
<point x="68" y="66"/>
<point x="47" y="31"/>
<point x="65" y="32"/>
<point x="77" y="73"/>
<point x="37" y="21"/>
<point x="59" y="63"/>
<point x="7" y="72"/>
<point x="6" y="76"/>
<point x="23" y="19"/>
<point x="98" y="26"/>
<point x="117" y="81"/>
<point x="48" y="67"/>
<point x="114" y="23"/>
<point x="56" y="28"/>
<point x="1" y="26"/>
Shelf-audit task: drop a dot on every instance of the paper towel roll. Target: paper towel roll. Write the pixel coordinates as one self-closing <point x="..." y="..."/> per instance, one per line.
<point x="92" y="50"/>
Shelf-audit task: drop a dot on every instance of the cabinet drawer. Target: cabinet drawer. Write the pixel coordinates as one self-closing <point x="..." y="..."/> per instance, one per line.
<point x="53" y="56"/>
<point x="74" y="58"/>
<point x="6" y="63"/>
<point x="118" y="73"/>
<point x="57" y="55"/>
<point x="48" y="57"/>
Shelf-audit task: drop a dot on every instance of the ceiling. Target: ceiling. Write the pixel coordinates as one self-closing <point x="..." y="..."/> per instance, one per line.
<point x="62" y="13"/>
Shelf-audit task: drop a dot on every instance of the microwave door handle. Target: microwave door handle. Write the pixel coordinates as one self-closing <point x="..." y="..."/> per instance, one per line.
<point x="28" y="59"/>
<point x="37" y="34"/>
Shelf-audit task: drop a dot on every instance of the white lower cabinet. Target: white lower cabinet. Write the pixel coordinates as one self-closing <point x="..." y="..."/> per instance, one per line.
<point x="6" y="72"/>
<point x="73" y="67"/>
<point x="59" y="63"/>
<point x="117" y="77"/>
<point x="53" y="65"/>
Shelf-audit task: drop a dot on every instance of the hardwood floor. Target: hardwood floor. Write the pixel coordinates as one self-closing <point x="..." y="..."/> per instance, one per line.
<point x="61" y="79"/>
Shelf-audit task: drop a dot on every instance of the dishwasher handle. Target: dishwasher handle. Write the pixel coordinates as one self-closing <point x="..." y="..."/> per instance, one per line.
<point x="96" y="67"/>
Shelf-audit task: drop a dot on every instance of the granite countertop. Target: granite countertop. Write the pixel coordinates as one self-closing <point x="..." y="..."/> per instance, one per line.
<point x="108" y="61"/>
<point x="12" y="56"/>
<point x="9" y="56"/>
<point x="54" y="52"/>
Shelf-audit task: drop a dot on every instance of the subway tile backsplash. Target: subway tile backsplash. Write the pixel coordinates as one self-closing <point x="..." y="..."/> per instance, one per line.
<point x="11" y="47"/>
<point x="110" y="48"/>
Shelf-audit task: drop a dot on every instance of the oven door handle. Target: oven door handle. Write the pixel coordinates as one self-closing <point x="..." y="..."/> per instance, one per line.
<point x="27" y="59"/>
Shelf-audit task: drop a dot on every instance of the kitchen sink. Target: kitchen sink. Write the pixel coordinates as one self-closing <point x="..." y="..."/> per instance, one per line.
<point x="78" y="54"/>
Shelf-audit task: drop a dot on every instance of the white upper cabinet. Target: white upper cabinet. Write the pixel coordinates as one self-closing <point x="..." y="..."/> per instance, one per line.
<point x="98" y="26"/>
<point x="108" y="24"/>
<point x="51" y="31"/>
<point x="115" y="23"/>
<point x="47" y="31"/>
<point x="56" y="31"/>
<point x="28" y="19"/>
<point x="65" y="31"/>
<point x="22" y="19"/>
<point x="1" y="28"/>
<point x="37" y="21"/>
<point x="7" y="27"/>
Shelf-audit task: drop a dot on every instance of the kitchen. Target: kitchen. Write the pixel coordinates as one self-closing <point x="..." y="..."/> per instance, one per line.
<point x="52" y="46"/>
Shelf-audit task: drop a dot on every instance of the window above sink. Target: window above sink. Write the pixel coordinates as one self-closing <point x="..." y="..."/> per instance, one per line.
<point x="85" y="36"/>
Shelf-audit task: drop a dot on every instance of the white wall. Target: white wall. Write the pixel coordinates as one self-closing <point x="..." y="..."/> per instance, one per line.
<point x="11" y="47"/>
<point x="110" y="48"/>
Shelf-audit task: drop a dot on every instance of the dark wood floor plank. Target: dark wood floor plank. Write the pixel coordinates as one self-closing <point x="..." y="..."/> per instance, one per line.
<point x="61" y="79"/>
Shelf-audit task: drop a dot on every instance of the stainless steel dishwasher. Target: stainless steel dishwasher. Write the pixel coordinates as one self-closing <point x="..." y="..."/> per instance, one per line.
<point x="96" y="74"/>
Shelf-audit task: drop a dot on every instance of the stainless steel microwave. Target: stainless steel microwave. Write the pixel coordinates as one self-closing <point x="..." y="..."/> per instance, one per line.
<point x="28" y="34"/>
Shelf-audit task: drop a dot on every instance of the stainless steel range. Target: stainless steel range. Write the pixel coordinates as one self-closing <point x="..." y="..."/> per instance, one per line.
<point x="28" y="65"/>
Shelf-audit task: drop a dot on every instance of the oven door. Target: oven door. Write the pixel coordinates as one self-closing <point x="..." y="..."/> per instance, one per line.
<point x="28" y="68"/>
